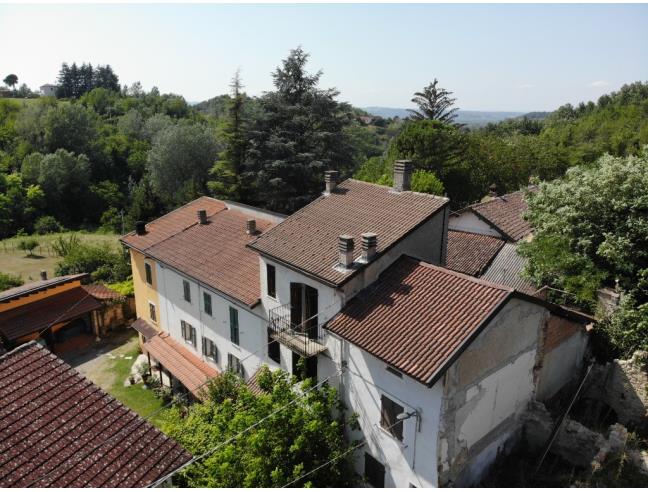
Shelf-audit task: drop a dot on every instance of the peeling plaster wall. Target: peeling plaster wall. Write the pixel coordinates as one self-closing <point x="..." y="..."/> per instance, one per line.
<point x="469" y="222"/>
<point x="560" y="365"/>
<point x="486" y="390"/>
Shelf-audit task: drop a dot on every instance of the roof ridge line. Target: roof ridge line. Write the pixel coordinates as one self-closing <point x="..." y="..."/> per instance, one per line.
<point x="476" y="280"/>
<point x="19" y="348"/>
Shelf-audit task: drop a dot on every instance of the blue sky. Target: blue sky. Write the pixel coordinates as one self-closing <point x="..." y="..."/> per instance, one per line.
<point x="494" y="57"/>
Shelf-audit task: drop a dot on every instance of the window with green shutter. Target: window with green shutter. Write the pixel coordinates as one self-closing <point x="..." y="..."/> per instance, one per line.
<point x="234" y="325"/>
<point x="186" y="290"/>
<point x="207" y="302"/>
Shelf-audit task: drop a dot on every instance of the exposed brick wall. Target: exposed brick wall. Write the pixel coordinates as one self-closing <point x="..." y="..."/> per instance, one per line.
<point x="557" y="330"/>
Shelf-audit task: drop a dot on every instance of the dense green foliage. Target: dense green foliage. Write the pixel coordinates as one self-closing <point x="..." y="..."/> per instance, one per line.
<point x="591" y="230"/>
<point x="296" y="439"/>
<point x="103" y="262"/>
<point x="7" y="281"/>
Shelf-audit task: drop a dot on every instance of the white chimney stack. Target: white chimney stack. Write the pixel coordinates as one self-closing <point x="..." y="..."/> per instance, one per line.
<point x="345" y="247"/>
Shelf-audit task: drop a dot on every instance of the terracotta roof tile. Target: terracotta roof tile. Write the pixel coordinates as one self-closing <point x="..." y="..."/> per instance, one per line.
<point x="308" y="239"/>
<point x="189" y="369"/>
<point x="38" y="315"/>
<point x="57" y="429"/>
<point x="173" y="222"/>
<point x="416" y="315"/>
<point x="471" y="253"/>
<point x="505" y="214"/>
<point x="102" y="292"/>
<point x="39" y="285"/>
<point x="141" y="326"/>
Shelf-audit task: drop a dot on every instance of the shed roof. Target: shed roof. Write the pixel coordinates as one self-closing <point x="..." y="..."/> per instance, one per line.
<point x="504" y="213"/>
<point x="58" y="429"/>
<point x="39" y="285"/>
<point x="471" y="253"/>
<point x="506" y="269"/>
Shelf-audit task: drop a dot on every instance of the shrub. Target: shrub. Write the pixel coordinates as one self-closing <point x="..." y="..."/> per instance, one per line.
<point x="46" y="225"/>
<point x="125" y="288"/>
<point x="28" y="245"/>
<point x="103" y="262"/>
<point x="7" y="281"/>
<point x="64" y="245"/>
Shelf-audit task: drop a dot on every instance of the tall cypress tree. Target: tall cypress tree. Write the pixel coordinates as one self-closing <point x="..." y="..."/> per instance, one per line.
<point x="299" y="135"/>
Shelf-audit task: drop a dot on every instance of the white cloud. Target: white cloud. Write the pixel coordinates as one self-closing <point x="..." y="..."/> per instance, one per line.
<point x="599" y="83"/>
<point x="525" y="86"/>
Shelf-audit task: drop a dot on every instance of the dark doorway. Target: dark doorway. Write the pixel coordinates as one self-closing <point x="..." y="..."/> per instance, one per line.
<point x="305" y="369"/>
<point x="303" y="308"/>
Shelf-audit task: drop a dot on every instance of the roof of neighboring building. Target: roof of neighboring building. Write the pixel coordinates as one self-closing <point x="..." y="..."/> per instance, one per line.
<point x="471" y="253"/>
<point x="58" y="429"/>
<point x="253" y="384"/>
<point x="214" y="253"/>
<point x="39" y="315"/>
<point x="504" y="213"/>
<point x="416" y="316"/>
<point x="141" y="326"/>
<point x="32" y="287"/>
<point x="189" y="369"/>
<point x="308" y="239"/>
<point x="102" y="292"/>
<point x="506" y="269"/>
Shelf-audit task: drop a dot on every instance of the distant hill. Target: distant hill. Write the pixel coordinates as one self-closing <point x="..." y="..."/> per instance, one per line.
<point x="476" y="118"/>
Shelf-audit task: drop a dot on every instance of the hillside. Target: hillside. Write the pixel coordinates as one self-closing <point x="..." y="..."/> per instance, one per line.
<point x="463" y="116"/>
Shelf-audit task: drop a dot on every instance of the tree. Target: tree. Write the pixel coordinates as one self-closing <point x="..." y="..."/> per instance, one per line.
<point x="104" y="262"/>
<point x="298" y="136"/>
<point x="179" y="162"/>
<point x="71" y="127"/>
<point x="28" y="245"/>
<point x="227" y="170"/>
<point x="104" y="77"/>
<point x="434" y="103"/>
<point x="11" y="80"/>
<point x="290" y="443"/>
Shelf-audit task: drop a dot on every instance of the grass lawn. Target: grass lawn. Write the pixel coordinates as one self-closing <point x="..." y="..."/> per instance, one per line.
<point x="142" y="401"/>
<point x="16" y="261"/>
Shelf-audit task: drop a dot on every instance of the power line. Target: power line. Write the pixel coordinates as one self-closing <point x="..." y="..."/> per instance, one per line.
<point x="236" y="436"/>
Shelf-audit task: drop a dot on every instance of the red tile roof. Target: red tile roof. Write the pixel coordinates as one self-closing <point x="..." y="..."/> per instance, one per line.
<point x="471" y="253"/>
<point x="308" y="239"/>
<point x="504" y="213"/>
<point x="181" y="362"/>
<point x="416" y="316"/>
<point x="58" y="429"/>
<point x="173" y="222"/>
<point x="38" y="286"/>
<point x="39" y="315"/>
<point x="102" y="293"/>
<point x="141" y="326"/>
<point x="214" y="253"/>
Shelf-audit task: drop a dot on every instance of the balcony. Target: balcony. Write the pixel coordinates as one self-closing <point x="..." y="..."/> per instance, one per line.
<point x="305" y="338"/>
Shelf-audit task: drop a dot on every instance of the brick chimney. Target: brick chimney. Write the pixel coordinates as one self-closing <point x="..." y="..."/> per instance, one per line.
<point x="331" y="179"/>
<point x="369" y="244"/>
<point x="202" y="216"/>
<point x="345" y="247"/>
<point x="402" y="175"/>
<point x="43" y="274"/>
<point x="492" y="190"/>
<point x="250" y="226"/>
<point x="140" y="227"/>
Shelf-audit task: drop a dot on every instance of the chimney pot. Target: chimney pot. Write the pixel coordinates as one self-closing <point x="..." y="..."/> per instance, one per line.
<point x="402" y="175"/>
<point x="140" y="228"/>
<point x="492" y="190"/>
<point x="202" y="216"/>
<point x="369" y="244"/>
<point x="345" y="247"/>
<point x="43" y="274"/>
<point x="250" y="226"/>
<point x="331" y="179"/>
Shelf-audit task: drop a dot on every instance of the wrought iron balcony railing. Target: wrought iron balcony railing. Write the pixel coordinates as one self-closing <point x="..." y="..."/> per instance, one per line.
<point x="305" y="338"/>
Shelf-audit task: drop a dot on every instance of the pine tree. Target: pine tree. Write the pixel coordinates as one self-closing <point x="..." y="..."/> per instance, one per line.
<point x="434" y="104"/>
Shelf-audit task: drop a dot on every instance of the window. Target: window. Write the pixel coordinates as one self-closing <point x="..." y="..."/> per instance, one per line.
<point x="388" y="421"/>
<point x="234" y="365"/>
<point x="188" y="333"/>
<point x="271" y="280"/>
<point x="149" y="273"/>
<point x="374" y="472"/>
<point x="152" y="314"/>
<point x="187" y="290"/>
<point x="274" y="351"/>
<point x="207" y="302"/>
<point x="209" y="349"/>
<point x="234" y="326"/>
<point x="396" y="373"/>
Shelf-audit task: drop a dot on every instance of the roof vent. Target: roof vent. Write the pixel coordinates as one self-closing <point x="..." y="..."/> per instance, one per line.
<point x="331" y="179"/>
<point x="202" y="216"/>
<point x="140" y="227"/>
<point x="369" y="244"/>
<point x="345" y="247"/>
<point x="250" y="226"/>
<point x="402" y="175"/>
<point x="43" y="274"/>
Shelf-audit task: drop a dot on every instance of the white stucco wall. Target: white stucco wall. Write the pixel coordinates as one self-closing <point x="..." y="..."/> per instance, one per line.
<point x="469" y="222"/>
<point x="561" y="365"/>
<point x="253" y="339"/>
<point x="364" y="380"/>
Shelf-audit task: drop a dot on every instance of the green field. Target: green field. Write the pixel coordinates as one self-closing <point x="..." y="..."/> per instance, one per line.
<point x="15" y="261"/>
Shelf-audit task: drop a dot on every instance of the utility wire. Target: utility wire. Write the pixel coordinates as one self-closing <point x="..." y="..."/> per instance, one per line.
<point x="236" y="436"/>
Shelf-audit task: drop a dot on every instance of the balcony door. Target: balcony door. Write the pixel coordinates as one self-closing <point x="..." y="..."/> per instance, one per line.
<point x="303" y="308"/>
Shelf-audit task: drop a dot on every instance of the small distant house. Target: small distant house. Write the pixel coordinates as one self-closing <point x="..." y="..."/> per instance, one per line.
<point x="48" y="89"/>
<point x="53" y="309"/>
<point x="58" y="429"/>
